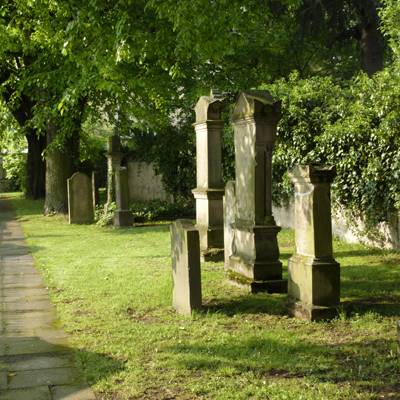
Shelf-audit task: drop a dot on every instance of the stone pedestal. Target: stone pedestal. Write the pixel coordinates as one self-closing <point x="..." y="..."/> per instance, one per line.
<point x="122" y="216"/>
<point x="80" y="199"/>
<point x="209" y="190"/>
<point x="314" y="276"/>
<point x="255" y="260"/>
<point x="186" y="275"/>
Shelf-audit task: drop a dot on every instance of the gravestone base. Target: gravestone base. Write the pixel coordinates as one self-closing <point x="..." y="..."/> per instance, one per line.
<point x="257" y="276"/>
<point x="212" y="255"/>
<point x="313" y="287"/>
<point x="311" y="313"/>
<point x="123" y="218"/>
<point x="251" y="286"/>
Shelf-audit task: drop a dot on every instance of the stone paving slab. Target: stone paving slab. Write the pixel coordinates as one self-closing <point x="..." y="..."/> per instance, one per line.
<point x="16" y="294"/>
<point x="41" y="377"/>
<point x="38" y="393"/>
<point x="36" y="362"/>
<point x="71" y="393"/>
<point x="28" y="305"/>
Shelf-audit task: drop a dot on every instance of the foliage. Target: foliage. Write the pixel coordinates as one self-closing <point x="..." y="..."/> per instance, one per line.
<point x="112" y="290"/>
<point x="354" y="127"/>
<point x="104" y="214"/>
<point x="159" y="210"/>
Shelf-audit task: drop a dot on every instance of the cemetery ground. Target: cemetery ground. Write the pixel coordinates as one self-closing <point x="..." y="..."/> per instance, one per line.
<point x="112" y="289"/>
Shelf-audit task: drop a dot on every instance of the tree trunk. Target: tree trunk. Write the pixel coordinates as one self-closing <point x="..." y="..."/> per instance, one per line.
<point x="371" y="38"/>
<point x="36" y="166"/>
<point x="61" y="163"/>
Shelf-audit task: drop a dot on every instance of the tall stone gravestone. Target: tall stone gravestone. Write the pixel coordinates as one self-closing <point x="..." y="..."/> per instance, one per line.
<point x="255" y="259"/>
<point x="80" y="199"/>
<point x="314" y="276"/>
<point x="186" y="275"/>
<point x="209" y="190"/>
<point x="122" y="216"/>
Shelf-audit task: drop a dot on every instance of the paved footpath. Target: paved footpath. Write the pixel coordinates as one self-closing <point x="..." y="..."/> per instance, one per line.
<point x="36" y="362"/>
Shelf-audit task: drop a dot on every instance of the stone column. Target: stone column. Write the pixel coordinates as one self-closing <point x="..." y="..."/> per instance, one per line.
<point x="255" y="261"/>
<point x="95" y="189"/>
<point x="209" y="190"/>
<point x="314" y="276"/>
<point x="186" y="273"/>
<point x="114" y="157"/>
<point x="122" y="216"/>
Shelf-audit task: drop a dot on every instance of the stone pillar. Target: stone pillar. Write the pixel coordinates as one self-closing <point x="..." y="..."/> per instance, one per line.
<point x="114" y="157"/>
<point x="122" y="216"/>
<point x="186" y="275"/>
<point x="95" y="189"/>
<point x="229" y="221"/>
<point x="80" y="200"/>
<point x="209" y="190"/>
<point x="255" y="261"/>
<point x="314" y="276"/>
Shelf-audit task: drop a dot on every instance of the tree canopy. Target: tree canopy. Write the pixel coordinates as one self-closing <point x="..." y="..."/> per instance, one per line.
<point x="141" y="65"/>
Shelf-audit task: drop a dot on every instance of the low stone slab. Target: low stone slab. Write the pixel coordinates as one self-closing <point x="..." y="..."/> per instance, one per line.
<point x="41" y="361"/>
<point x="41" y="377"/>
<point x="16" y="294"/>
<point x="16" y="346"/>
<point x="42" y="304"/>
<point x="71" y="393"/>
<point x="185" y="253"/>
<point x="14" y="281"/>
<point x="38" y="393"/>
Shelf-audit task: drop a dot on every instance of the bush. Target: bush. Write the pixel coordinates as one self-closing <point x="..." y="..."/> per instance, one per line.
<point x="355" y="127"/>
<point x="156" y="210"/>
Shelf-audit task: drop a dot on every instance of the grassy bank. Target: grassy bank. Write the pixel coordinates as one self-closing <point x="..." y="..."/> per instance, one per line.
<point x="113" y="288"/>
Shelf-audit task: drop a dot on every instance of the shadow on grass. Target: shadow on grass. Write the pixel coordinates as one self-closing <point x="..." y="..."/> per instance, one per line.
<point x="367" y="366"/>
<point x="261" y="303"/>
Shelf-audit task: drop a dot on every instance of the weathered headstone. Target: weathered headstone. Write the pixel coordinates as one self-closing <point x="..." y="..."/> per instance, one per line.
<point x="229" y="220"/>
<point x="314" y="276"/>
<point x="209" y="190"/>
<point x="80" y="199"/>
<point x="122" y="216"/>
<point x="255" y="260"/>
<point x="185" y="253"/>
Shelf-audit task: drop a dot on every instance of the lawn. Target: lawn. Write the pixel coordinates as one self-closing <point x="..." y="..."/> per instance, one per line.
<point x="112" y="288"/>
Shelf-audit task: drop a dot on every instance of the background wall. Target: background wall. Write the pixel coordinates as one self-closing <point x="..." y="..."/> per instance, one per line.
<point x="144" y="183"/>
<point x="385" y="235"/>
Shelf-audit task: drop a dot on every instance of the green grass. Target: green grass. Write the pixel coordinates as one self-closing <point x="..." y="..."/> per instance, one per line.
<point x="112" y="289"/>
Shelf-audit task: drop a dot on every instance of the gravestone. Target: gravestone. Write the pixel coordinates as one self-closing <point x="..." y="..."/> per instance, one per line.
<point x="186" y="275"/>
<point x="122" y="215"/>
<point x="229" y="220"/>
<point x="209" y="190"/>
<point x="80" y="199"/>
<point x="255" y="260"/>
<point x="314" y="276"/>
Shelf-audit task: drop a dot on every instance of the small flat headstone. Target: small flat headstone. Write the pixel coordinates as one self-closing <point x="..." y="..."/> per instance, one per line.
<point x="185" y="252"/>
